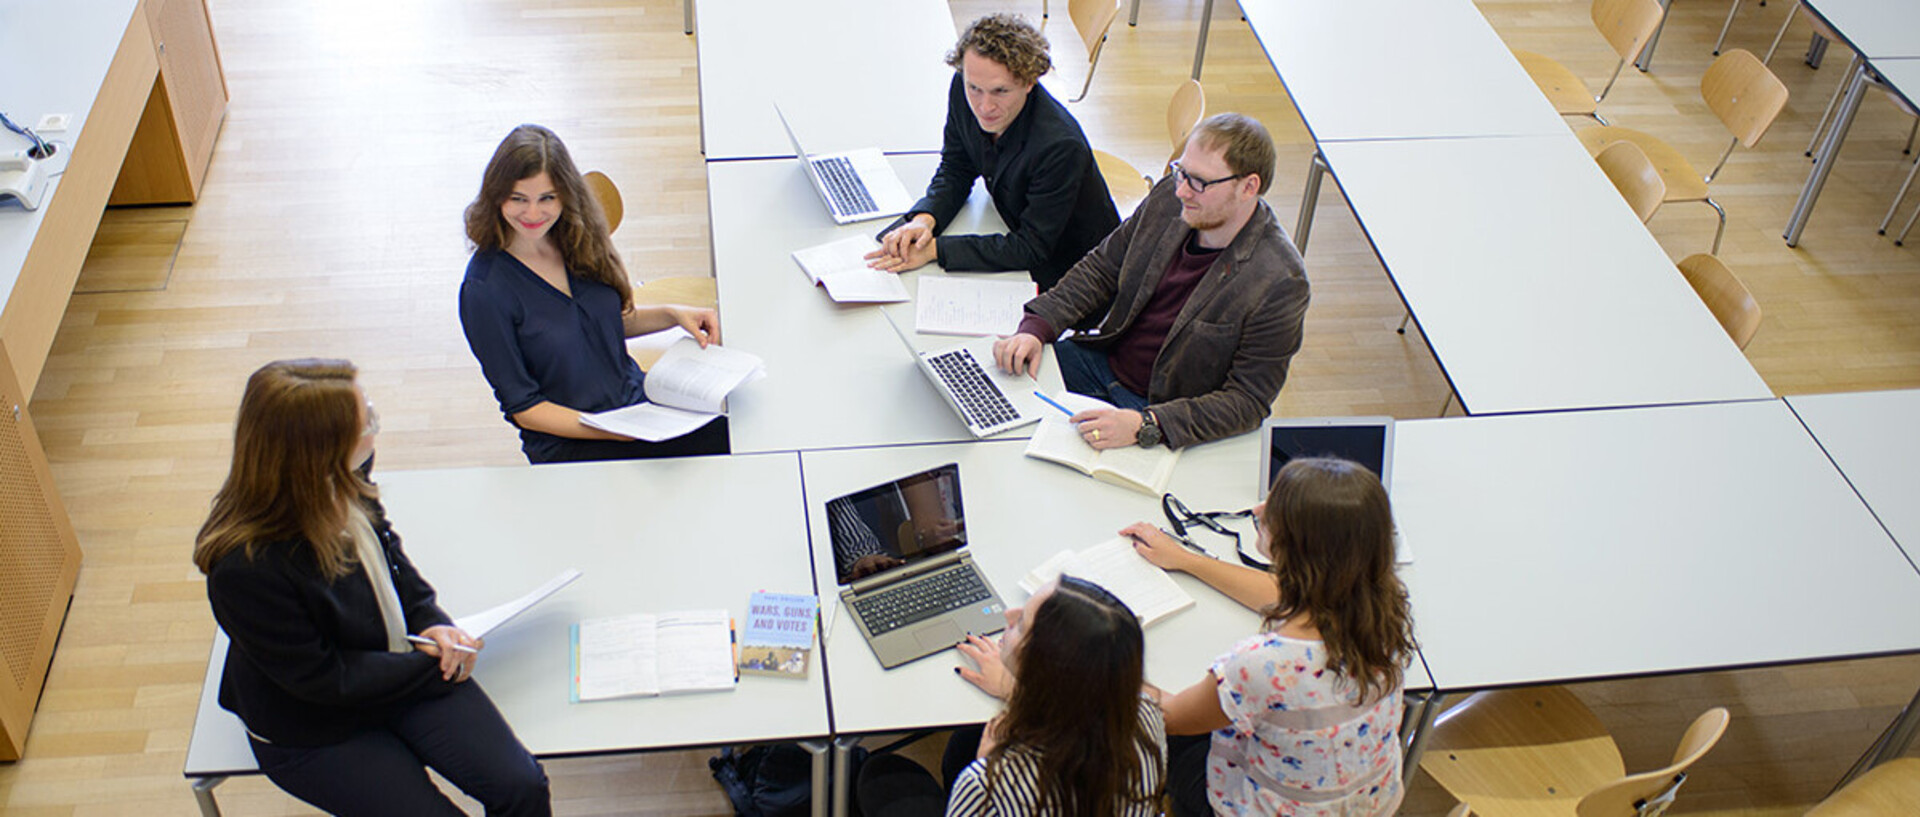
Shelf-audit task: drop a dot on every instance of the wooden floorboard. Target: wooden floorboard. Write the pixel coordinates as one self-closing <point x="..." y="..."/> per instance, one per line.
<point x="330" y="227"/>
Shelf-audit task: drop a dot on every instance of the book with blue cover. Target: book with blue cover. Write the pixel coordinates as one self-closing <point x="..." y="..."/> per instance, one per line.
<point x="778" y="638"/>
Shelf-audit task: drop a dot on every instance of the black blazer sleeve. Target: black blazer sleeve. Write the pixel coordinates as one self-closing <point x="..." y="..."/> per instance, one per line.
<point x="1052" y="190"/>
<point x="951" y="184"/>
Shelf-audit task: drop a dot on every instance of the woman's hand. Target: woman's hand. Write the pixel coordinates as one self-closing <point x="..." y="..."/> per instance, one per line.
<point x="992" y="676"/>
<point x="456" y="665"/>
<point x="1154" y="545"/>
<point x="702" y="324"/>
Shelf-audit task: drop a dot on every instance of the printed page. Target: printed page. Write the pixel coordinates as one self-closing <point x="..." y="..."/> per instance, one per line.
<point x="968" y="306"/>
<point x="865" y="286"/>
<point x="1056" y="439"/>
<point x="1148" y="590"/>
<point x="486" y="621"/>
<point x="695" y="651"/>
<point x="689" y="377"/>
<point x="1047" y="571"/>
<point x="617" y="657"/>
<point x="1143" y="469"/>
<point x="845" y="255"/>
<point x="648" y="421"/>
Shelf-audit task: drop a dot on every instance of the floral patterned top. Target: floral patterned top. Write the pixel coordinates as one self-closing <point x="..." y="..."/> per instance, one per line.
<point x="1296" y="744"/>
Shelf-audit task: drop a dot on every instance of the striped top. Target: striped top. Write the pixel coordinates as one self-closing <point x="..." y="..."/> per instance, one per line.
<point x="1016" y="788"/>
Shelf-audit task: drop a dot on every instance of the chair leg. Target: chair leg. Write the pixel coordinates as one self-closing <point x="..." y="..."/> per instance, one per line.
<point x="1720" y="230"/>
<point x="1091" y="64"/>
<point x="1404" y="320"/>
<point x="1901" y="239"/>
<point x="1832" y="101"/>
<point x="1775" y="46"/>
<point x="1725" y="26"/>
<point x="1309" y="202"/>
<point x="1446" y="405"/>
<point x="1900" y="196"/>
<point x="1911" y="131"/>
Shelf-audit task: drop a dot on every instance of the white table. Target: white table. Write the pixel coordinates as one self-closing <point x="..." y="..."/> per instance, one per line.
<point x="1534" y="284"/>
<point x="650" y="536"/>
<point x="1398" y="69"/>
<point x="848" y="74"/>
<point x="1874" y="437"/>
<point x="837" y="374"/>
<point x="1885" y="37"/>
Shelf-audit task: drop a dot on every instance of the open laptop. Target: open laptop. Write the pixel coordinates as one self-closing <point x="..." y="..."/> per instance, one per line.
<point x="899" y="550"/>
<point x="987" y="399"/>
<point x="856" y="184"/>
<point x="1365" y="440"/>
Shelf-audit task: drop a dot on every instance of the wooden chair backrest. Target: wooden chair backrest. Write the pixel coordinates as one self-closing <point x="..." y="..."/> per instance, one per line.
<point x="1627" y="24"/>
<point x="608" y="196"/>
<point x="1188" y="107"/>
<point x="1744" y="94"/>
<point x="1626" y="795"/>
<point x="1728" y="299"/>
<point x="1892" y="787"/>
<point x="1092" y="18"/>
<point x="1634" y="175"/>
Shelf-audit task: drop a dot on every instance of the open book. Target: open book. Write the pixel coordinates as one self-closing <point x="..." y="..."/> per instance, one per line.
<point x="685" y="390"/>
<point x="1056" y="440"/>
<point x="645" y="654"/>
<point x="841" y="267"/>
<point x="1147" y="590"/>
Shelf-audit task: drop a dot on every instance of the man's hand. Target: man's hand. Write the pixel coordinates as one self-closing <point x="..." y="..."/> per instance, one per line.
<point x="909" y="246"/>
<point x="1106" y="428"/>
<point x="1020" y="353"/>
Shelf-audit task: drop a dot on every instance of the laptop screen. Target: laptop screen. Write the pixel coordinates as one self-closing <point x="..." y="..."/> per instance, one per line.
<point x="1365" y="440"/>
<point x="896" y="523"/>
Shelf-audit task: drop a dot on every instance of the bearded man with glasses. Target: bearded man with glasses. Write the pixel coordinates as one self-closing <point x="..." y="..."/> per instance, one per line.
<point x="1203" y="296"/>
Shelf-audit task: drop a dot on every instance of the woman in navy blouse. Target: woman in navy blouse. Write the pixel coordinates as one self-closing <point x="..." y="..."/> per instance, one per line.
<point x="547" y="308"/>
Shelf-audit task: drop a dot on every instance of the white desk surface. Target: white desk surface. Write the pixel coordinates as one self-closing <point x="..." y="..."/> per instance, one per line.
<point x="650" y="536"/>
<point x="1019" y="512"/>
<point x="1535" y="285"/>
<point x="848" y="74"/>
<point x="837" y="375"/>
<point x="1438" y="70"/>
<point x="1875" y="28"/>
<point x="1584" y="545"/>
<point x="1874" y="437"/>
<point x="65" y="48"/>
<point x="1902" y="75"/>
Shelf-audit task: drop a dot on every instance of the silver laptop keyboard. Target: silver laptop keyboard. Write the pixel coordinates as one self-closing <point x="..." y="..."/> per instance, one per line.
<point x="920" y="599"/>
<point x="979" y="397"/>
<point x="844" y="188"/>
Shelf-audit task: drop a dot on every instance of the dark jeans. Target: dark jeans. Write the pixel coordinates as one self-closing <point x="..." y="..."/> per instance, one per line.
<point x="1085" y="371"/>
<point x="711" y="438"/>
<point x="1187" y="774"/>
<point x="383" y="772"/>
<point x="894" y="786"/>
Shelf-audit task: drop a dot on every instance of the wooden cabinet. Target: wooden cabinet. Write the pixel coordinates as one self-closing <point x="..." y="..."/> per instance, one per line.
<point x="174" y="142"/>
<point x="39" y="561"/>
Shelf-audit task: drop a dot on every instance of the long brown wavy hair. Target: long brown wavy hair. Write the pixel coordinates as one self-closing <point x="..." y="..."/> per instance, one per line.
<point x="292" y="475"/>
<point x="1332" y="549"/>
<point x="581" y="234"/>
<point x="1075" y="705"/>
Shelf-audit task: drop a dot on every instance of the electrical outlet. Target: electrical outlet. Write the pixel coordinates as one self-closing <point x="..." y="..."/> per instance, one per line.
<point x="53" y="122"/>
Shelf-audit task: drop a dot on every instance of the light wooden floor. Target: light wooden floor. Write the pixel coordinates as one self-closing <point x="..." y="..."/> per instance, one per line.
<point x="330" y="226"/>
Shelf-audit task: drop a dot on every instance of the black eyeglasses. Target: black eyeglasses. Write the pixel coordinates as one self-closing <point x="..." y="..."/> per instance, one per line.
<point x="1197" y="184"/>
<point x="1179" y="517"/>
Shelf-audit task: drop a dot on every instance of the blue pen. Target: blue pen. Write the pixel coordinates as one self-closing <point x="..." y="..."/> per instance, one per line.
<point x="1051" y="402"/>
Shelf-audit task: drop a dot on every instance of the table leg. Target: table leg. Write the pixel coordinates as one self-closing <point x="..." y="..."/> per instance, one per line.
<point x="1309" y="201"/>
<point x="203" y="795"/>
<point x="1200" y="48"/>
<point x="1645" y="61"/>
<point x="1816" y="51"/>
<point x="1417" y="742"/>
<point x="686" y="11"/>
<point x="1133" y="17"/>
<point x="1901" y="736"/>
<point x="842" y="775"/>
<point x="1829" y="151"/>
<point x="818" y="748"/>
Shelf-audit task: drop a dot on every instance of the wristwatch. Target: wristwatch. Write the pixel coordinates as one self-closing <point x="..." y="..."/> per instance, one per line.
<point x="1149" y="434"/>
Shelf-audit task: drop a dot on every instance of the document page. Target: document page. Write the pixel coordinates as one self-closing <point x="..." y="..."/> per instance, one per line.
<point x="616" y="657"/>
<point x="648" y="421"/>
<point x="842" y="268"/>
<point x="1147" y="590"/>
<point x="964" y="306"/>
<point x="689" y="377"/>
<point x="696" y="651"/>
<point x="486" y="621"/>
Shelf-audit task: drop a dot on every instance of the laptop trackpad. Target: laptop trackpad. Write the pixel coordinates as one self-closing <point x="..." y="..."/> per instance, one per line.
<point x="939" y="636"/>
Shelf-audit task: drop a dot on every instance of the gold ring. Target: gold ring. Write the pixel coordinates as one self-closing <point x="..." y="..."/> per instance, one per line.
<point x="1096" y="435"/>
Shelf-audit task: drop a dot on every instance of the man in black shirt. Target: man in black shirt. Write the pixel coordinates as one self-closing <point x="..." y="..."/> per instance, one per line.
<point x="1004" y="127"/>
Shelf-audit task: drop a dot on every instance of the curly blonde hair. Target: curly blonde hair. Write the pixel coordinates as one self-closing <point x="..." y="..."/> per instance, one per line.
<point x="1007" y="39"/>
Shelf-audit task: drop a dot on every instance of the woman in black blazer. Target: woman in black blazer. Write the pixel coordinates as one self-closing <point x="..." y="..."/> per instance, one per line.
<point x="305" y="575"/>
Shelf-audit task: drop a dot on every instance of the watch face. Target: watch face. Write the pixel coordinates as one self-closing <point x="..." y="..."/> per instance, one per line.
<point x="1149" y="435"/>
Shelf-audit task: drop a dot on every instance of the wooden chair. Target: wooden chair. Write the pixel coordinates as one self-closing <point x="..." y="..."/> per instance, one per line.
<point x="1092" y="18"/>
<point x="1127" y="185"/>
<point x="1892" y="787"/>
<point x="1184" y="112"/>
<point x="1743" y="95"/>
<point x="1728" y="299"/>
<point x="1633" y="174"/>
<point x="686" y="290"/>
<point x="1626" y="24"/>
<point x="1541" y="751"/>
<point x="608" y="195"/>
